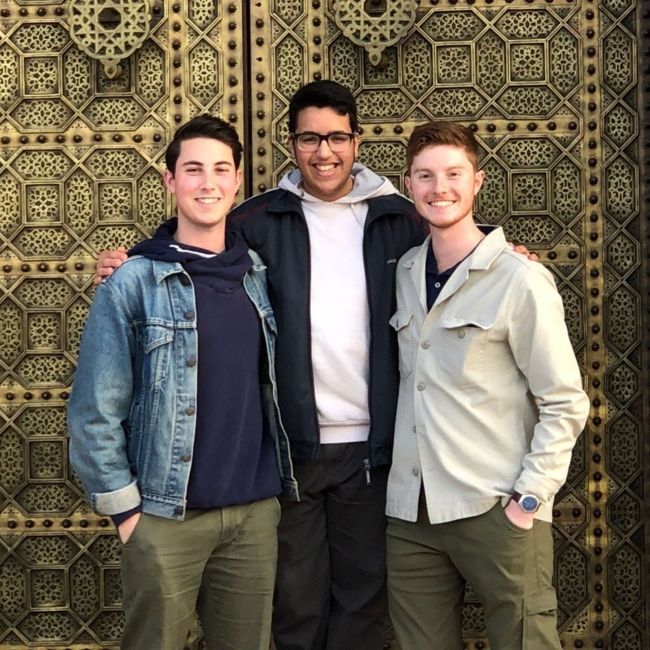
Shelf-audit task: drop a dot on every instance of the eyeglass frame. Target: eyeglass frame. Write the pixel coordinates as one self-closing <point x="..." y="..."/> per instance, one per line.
<point x="295" y="137"/>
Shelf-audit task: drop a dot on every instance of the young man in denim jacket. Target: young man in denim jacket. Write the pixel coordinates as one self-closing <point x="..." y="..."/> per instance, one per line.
<point x="490" y="406"/>
<point x="173" y="419"/>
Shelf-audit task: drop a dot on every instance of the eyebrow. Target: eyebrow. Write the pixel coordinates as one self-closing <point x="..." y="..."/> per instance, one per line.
<point x="427" y="170"/>
<point x="200" y="164"/>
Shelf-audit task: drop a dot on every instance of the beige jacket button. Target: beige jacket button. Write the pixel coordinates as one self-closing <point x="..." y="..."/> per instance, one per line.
<point x="416" y="471"/>
<point x="421" y="386"/>
<point x="425" y="345"/>
<point x="461" y="334"/>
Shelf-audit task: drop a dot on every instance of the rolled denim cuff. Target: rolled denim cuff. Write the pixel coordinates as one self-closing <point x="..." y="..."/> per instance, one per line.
<point x="117" y="501"/>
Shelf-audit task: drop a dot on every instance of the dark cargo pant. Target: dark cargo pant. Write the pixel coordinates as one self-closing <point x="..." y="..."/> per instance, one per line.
<point x="509" y="568"/>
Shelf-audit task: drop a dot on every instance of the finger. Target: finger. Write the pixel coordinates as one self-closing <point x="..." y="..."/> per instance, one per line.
<point x="101" y="274"/>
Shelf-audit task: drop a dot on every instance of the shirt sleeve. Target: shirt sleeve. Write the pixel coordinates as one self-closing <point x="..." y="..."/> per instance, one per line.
<point x="100" y="403"/>
<point x="542" y="350"/>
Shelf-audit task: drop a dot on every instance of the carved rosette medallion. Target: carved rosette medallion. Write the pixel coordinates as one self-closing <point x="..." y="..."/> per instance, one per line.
<point x="375" y="32"/>
<point x="109" y="30"/>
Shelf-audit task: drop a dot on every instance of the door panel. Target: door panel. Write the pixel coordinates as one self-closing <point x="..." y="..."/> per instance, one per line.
<point x="90" y="93"/>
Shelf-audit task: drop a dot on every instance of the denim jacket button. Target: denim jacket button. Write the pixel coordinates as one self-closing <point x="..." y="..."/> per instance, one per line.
<point x="191" y="362"/>
<point x="190" y="410"/>
<point x="185" y="281"/>
<point x="186" y="458"/>
<point x="189" y="315"/>
<point x="178" y="511"/>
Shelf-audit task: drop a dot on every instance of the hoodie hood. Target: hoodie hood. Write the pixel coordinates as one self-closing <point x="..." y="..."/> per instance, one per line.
<point x="367" y="185"/>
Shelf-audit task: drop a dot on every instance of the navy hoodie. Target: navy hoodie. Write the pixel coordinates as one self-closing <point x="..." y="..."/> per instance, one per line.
<point x="233" y="461"/>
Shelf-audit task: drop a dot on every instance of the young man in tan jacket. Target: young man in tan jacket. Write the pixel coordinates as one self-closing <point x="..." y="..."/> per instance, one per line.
<point x="489" y="409"/>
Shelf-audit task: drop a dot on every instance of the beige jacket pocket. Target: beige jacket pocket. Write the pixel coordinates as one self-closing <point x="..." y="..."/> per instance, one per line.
<point x="401" y="322"/>
<point x="462" y="352"/>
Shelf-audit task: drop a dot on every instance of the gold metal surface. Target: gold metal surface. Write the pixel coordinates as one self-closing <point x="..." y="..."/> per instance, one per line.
<point x="552" y="90"/>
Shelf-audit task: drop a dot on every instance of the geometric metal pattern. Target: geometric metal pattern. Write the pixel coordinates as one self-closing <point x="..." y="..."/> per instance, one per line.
<point x="561" y="112"/>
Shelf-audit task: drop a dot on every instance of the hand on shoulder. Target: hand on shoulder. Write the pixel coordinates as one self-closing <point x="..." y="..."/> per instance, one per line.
<point x="107" y="262"/>
<point x="522" y="250"/>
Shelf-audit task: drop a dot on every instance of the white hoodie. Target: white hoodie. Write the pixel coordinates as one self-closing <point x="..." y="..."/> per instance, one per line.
<point x="340" y="319"/>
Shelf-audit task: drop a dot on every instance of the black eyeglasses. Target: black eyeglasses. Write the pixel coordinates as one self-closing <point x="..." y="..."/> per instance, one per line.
<point x="309" y="142"/>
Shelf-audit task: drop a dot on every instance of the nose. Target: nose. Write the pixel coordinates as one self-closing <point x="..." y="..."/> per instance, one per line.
<point x="438" y="184"/>
<point x="324" y="149"/>
<point x="209" y="180"/>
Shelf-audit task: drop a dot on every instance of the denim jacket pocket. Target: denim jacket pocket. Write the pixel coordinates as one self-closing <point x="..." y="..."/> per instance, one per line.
<point x="462" y="353"/>
<point x="156" y="344"/>
<point x="401" y="322"/>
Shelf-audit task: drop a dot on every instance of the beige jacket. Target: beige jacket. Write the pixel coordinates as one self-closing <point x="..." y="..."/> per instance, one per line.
<point x="490" y="397"/>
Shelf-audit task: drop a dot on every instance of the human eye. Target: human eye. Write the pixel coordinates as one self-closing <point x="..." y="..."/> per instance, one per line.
<point x="339" y="138"/>
<point x="308" y="139"/>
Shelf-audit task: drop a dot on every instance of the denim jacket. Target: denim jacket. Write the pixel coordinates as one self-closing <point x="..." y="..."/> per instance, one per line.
<point x="131" y="412"/>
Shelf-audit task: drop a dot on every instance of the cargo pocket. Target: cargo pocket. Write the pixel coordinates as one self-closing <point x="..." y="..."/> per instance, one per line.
<point x="540" y="621"/>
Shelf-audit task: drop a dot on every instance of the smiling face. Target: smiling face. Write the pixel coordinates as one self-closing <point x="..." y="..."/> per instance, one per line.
<point x="443" y="183"/>
<point x="205" y="182"/>
<point x="325" y="174"/>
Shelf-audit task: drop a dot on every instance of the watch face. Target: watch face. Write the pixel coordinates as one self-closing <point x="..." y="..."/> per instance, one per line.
<point x="529" y="503"/>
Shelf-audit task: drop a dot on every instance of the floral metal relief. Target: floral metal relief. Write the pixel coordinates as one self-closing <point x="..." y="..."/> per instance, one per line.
<point x="109" y="30"/>
<point x="375" y="31"/>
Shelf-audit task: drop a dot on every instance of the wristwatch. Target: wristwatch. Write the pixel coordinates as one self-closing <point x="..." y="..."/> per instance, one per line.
<point x="527" y="502"/>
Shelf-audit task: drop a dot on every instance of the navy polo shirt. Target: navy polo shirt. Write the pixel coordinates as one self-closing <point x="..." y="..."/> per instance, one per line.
<point x="436" y="280"/>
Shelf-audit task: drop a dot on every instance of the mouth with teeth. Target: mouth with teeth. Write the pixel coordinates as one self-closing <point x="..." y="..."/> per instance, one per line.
<point x="325" y="168"/>
<point x="441" y="204"/>
<point x="207" y="200"/>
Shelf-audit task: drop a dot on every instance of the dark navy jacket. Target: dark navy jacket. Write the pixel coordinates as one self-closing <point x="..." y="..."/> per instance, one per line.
<point x="274" y="226"/>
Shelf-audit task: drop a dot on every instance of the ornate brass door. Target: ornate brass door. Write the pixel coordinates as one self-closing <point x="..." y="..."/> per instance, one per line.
<point x="90" y="91"/>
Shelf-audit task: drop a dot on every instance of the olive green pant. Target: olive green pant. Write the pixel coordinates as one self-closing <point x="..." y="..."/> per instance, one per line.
<point x="510" y="570"/>
<point x="218" y="562"/>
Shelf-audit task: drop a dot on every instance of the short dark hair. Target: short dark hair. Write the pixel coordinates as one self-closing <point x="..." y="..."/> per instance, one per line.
<point x="441" y="133"/>
<point x="323" y="94"/>
<point x="204" y="126"/>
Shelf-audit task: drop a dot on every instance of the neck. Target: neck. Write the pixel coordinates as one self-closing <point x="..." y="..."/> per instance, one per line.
<point x="451" y="245"/>
<point x="210" y="238"/>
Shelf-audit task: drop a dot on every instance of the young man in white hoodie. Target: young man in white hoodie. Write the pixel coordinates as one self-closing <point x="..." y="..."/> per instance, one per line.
<point x="331" y="235"/>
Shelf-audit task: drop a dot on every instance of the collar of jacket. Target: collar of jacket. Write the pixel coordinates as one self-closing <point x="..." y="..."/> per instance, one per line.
<point x="478" y="260"/>
<point x="162" y="269"/>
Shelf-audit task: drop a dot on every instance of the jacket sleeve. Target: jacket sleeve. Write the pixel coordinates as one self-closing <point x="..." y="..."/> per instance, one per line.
<point x="542" y="349"/>
<point x="100" y="403"/>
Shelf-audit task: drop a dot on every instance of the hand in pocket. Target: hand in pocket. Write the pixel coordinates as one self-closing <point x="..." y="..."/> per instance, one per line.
<point x="126" y="528"/>
<point x="518" y="517"/>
